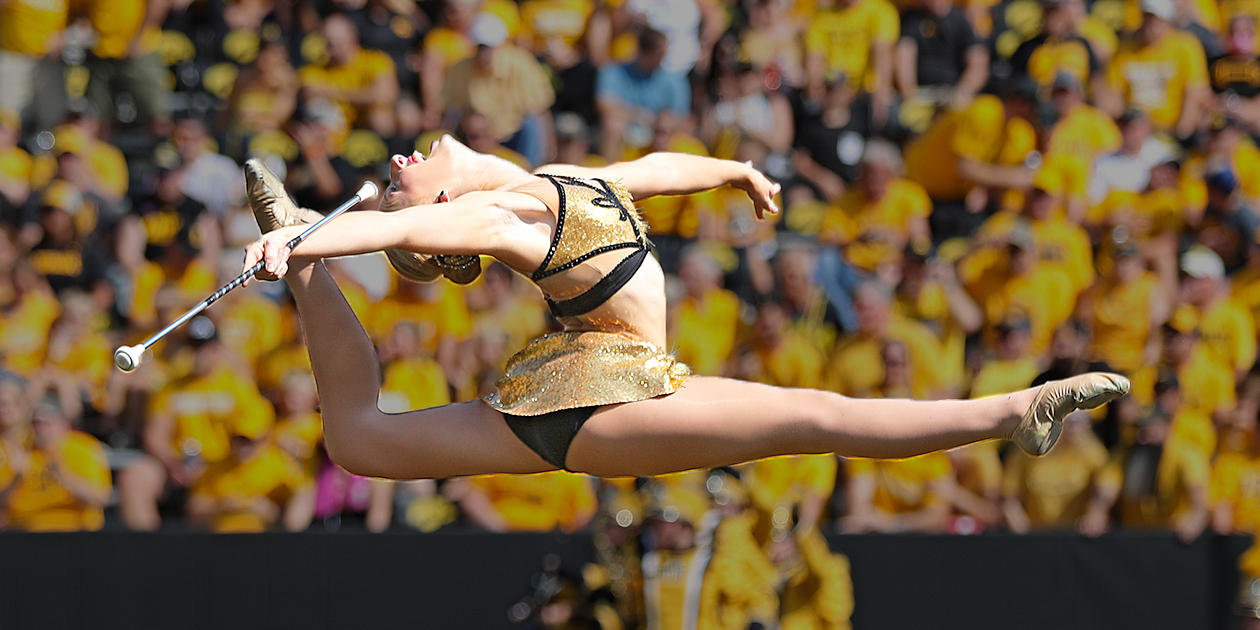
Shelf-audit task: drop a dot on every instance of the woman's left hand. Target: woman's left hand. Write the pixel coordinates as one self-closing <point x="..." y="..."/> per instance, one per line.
<point x="761" y="190"/>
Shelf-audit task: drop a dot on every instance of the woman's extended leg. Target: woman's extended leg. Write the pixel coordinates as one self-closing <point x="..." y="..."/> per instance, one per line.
<point x="460" y="439"/>
<point x="714" y="421"/>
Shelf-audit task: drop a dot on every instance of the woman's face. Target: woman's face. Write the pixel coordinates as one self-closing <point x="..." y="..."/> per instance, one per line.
<point x="414" y="179"/>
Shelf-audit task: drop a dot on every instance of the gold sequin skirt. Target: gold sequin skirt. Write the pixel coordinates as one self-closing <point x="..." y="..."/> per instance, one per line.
<point x="585" y="369"/>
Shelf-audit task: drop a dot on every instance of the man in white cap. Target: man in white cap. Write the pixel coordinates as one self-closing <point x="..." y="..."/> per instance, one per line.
<point x="1140" y="76"/>
<point x="1226" y="328"/>
<point x="508" y="86"/>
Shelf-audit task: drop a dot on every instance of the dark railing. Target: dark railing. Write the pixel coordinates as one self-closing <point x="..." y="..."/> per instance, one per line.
<point x="458" y="580"/>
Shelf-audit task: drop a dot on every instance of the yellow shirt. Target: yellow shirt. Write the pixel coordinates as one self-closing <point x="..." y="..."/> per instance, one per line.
<point x="30" y="26"/>
<point x="1003" y="377"/>
<point x="854" y="216"/>
<point x="516" y="86"/>
<point x="544" y="20"/>
<point x="358" y="73"/>
<point x="1181" y="468"/>
<point x="542" y="502"/>
<point x="1085" y="131"/>
<point x="449" y="45"/>
<point x="15" y="165"/>
<point x="1245" y="162"/>
<point x="204" y="410"/>
<point x="703" y="334"/>
<point x="1045" y="296"/>
<point x="107" y="163"/>
<point x="300" y="436"/>
<point x="278" y="362"/>
<point x="795" y="362"/>
<point x="1154" y="79"/>
<point x="739" y="582"/>
<point x="844" y="37"/>
<point x="781" y="483"/>
<point x="116" y="23"/>
<point x="1236" y="481"/>
<point x="251" y="326"/>
<point x="857" y="366"/>
<point x="672" y="584"/>
<point x="42" y="503"/>
<point x="820" y="596"/>
<point x="981" y="133"/>
<point x="978" y="468"/>
<point x="271" y="473"/>
<point x="1055" y="489"/>
<point x="1226" y="329"/>
<point x="83" y="361"/>
<point x="24" y="331"/>
<point x="446" y="315"/>
<point x="415" y="383"/>
<point x="905" y="485"/>
<point x="931" y="308"/>
<point x="1122" y="320"/>
<point x="1056" y="56"/>
<point x="1206" y="385"/>
<point x="1246" y="293"/>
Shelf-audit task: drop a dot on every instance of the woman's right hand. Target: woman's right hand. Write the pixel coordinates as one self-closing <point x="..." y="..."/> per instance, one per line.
<point x="273" y="250"/>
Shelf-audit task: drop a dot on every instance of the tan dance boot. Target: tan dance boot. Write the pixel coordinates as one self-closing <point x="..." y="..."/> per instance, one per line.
<point x="1043" y="422"/>
<point x="272" y="206"/>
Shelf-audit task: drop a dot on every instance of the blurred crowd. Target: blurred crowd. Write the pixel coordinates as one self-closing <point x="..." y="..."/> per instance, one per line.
<point x="977" y="197"/>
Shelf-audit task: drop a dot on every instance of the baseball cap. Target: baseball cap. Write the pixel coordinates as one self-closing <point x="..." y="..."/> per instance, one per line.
<point x="1162" y="9"/>
<point x="1065" y="81"/>
<point x="1222" y="180"/>
<point x="1201" y="262"/>
<point x="488" y="30"/>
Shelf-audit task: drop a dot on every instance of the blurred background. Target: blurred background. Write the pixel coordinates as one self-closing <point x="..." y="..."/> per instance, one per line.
<point x="977" y="197"/>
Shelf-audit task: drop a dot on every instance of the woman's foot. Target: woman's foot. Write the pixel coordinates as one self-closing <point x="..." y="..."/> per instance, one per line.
<point x="1041" y="425"/>
<point x="272" y="206"/>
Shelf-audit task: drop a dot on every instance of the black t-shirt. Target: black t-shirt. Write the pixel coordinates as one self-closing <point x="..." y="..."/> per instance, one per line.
<point x="1239" y="75"/>
<point x="394" y="34"/>
<point x="942" y="40"/>
<point x="575" y="90"/>
<point x="75" y="266"/>
<point x="306" y="194"/>
<point x="838" y="149"/>
<point x="169" y="224"/>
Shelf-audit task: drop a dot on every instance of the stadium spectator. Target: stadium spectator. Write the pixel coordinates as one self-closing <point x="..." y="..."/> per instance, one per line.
<point x="82" y="157"/>
<point x="1059" y="49"/>
<point x="707" y="319"/>
<point x="396" y="29"/>
<point x="857" y="367"/>
<point x="855" y="38"/>
<point x="831" y="135"/>
<point x="968" y="157"/>
<point x="1129" y="168"/>
<point x="898" y="495"/>
<point x="248" y="490"/>
<point x="448" y="43"/>
<point x="526" y="503"/>
<point x="506" y="84"/>
<point x="265" y="93"/>
<point x="1125" y="308"/>
<point x="1055" y="491"/>
<point x="31" y="39"/>
<point x="1139" y="73"/>
<point x="930" y="293"/>
<point x="1234" y="76"/>
<point x="188" y="427"/>
<point x="772" y="40"/>
<point x="66" y="256"/>
<point x="15" y="170"/>
<point x="124" y="58"/>
<point x="1161" y="481"/>
<point x="631" y="95"/>
<point x="939" y="58"/>
<point x="1226" y="329"/>
<point x="27" y="318"/>
<point x="60" y="482"/>
<point x="209" y="178"/>
<point x="363" y="83"/>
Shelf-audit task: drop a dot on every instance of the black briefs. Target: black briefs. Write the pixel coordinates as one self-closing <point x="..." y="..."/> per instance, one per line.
<point x="550" y="434"/>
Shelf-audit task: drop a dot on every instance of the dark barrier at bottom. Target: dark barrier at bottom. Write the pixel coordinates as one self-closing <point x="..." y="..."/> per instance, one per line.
<point x="469" y="580"/>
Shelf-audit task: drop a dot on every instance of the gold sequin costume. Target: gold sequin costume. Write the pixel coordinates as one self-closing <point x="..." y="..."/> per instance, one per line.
<point x="587" y="369"/>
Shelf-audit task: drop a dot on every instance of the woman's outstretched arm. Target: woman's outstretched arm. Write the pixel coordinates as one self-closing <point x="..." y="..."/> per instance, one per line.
<point x="665" y="173"/>
<point x="476" y="223"/>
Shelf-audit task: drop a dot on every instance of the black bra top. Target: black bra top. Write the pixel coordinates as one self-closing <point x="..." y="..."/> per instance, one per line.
<point x="594" y="217"/>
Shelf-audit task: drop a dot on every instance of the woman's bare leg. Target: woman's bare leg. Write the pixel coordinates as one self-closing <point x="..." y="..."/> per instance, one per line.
<point x="460" y="439"/>
<point x="714" y="421"/>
